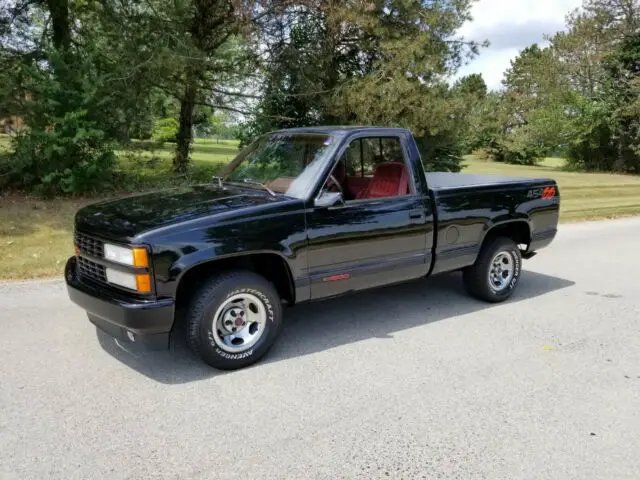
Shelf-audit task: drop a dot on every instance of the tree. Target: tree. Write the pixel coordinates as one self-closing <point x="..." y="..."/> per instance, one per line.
<point x="209" y="57"/>
<point x="535" y="99"/>
<point x="576" y="96"/>
<point x="413" y="49"/>
<point x="485" y="126"/>
<point x="473" y="87"/>
<point x="53" y="85"/>
<point x="608" y="134"/>
<point x="597" y="54"/>
<point x="472" y="92"/>
<point x="624" y="68"/>
<point x="109" y="69"/>
<point x="88" y="74"/>
<point x="381" y="62"/>
<point x="209" y="29"/>
<point x="311" y="50"/>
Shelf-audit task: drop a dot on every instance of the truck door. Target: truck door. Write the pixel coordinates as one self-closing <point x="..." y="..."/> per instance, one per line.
<point x="382" y="231"/>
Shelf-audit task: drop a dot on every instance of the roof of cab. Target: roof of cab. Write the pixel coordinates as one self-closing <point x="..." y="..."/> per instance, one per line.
<point x="341" y="129"/>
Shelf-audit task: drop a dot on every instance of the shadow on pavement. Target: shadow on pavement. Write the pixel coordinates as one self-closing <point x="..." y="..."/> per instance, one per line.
<point x="173" y="366"/>
<point x="314" y="327"/>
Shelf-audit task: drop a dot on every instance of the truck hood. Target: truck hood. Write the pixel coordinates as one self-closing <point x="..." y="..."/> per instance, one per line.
<point x="125" y="218"/>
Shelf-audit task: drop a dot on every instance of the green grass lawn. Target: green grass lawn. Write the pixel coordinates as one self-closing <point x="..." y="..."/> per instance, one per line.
<point x="203" y="150"/>
<point x="36" y="234"/>
<point x="145" y="166"/>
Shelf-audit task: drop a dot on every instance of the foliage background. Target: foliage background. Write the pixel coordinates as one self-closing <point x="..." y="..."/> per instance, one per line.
<point x="88" y="79"/>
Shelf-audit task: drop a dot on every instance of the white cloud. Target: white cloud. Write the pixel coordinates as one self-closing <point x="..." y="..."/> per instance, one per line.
<point x="510" y="26"/>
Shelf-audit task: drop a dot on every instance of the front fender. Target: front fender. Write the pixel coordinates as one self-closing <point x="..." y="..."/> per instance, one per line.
<point x="170" y="267"/>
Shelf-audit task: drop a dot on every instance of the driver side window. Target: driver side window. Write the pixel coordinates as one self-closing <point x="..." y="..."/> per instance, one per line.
<point x="371" y="167"/>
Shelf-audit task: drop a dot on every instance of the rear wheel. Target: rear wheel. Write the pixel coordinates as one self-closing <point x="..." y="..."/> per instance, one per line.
<point x="234" y="319"/>
<point x="496" y="273"/>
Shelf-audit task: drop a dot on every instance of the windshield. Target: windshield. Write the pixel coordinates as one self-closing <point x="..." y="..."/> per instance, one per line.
<point x="283" y="162"/>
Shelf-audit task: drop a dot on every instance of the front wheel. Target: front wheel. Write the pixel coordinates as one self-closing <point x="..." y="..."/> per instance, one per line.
<point x="496" y="273"/>
<point x="234" y="319"/>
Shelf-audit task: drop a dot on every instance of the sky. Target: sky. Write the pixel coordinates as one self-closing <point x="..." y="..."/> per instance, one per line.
<point x="510" y="26"/>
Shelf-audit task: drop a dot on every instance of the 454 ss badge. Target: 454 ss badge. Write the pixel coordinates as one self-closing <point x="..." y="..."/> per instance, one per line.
<point x="543" y="193"/>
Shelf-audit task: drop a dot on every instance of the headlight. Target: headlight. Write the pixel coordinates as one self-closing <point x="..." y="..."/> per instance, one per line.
<point x="141" y="282"/>
<point x="135" y="257"/>
<point x="118" y="254"/>
<point x="127" y="280"/>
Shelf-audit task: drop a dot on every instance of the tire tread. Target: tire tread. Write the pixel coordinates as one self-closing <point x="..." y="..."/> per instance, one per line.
<point x="202" y="297"/>
<point x="474" y="277"/>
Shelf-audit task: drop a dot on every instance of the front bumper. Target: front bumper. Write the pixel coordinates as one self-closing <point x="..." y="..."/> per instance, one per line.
<point x="147" y="323"/>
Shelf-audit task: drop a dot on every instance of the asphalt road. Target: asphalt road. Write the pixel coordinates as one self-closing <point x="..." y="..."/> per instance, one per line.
<point x="412" y="381"/>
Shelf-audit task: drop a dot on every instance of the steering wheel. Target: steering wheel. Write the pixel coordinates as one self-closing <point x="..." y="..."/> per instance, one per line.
<point x="335" y="182"/>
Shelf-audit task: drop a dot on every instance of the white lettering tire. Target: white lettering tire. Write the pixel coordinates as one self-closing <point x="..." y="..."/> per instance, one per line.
<point x="496" y="273"/>
<point x="216" y="306"/>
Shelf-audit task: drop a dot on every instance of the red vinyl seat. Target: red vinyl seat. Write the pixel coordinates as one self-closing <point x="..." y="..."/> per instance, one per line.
<point x="390" y="179"/>
<point x="357" y="185"/>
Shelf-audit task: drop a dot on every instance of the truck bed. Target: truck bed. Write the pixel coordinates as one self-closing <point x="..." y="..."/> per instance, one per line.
<point x="448" y="181"/>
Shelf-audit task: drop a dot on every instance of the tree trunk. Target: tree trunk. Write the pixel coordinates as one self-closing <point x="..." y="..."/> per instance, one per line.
<point x="330" y="52"/>
<point x="185" y="131"/>
<point x="60" y="26"/>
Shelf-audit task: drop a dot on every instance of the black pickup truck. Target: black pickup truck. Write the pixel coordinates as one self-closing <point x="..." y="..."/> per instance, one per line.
<point x="298" y="215"/>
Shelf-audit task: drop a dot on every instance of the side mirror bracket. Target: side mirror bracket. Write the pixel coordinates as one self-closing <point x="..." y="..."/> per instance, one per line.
<point x="328" y="200"/>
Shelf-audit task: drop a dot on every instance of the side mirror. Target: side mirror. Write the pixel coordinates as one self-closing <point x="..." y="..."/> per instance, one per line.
<point x="329" y="199"/>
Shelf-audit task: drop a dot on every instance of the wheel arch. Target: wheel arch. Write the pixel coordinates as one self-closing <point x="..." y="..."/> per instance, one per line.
<point x="269" y="264"/>
<point x="519" y="230"/>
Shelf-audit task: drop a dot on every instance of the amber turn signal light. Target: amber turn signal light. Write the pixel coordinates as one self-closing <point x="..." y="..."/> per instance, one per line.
<point x="140" y="257"/>
<point x="143" y="283"/>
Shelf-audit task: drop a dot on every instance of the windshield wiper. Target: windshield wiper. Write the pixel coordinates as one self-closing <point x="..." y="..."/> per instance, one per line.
<point x="254" y="182"/>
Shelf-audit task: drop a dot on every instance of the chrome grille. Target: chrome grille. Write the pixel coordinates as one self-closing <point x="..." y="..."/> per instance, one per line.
<point x="89" y="245"/>
<point x="92" y="270"/>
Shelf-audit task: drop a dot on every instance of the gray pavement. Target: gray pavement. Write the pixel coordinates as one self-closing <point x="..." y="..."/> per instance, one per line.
<point x="411" y="381"/>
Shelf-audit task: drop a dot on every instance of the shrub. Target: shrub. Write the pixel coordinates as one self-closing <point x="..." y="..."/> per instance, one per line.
<point x="165" y="130"/>
<point x="440" y="153"/>
<point x="485" y="154"/>
<point x="520" y="146"/>
<point x="68" y="157"/>
<point x="507" y="151"/>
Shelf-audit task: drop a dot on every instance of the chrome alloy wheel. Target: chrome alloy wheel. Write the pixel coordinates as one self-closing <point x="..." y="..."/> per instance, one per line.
<point x="239" y="323"/>
<point x="502" y="271"/>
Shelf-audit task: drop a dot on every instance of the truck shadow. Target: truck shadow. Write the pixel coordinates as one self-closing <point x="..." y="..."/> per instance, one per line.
<point x="315" y="327"/>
